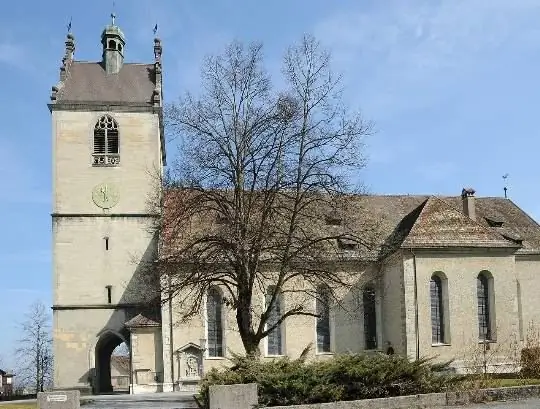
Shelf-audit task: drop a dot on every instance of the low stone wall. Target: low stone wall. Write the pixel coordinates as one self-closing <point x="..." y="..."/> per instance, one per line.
<point x="430" y="400"/>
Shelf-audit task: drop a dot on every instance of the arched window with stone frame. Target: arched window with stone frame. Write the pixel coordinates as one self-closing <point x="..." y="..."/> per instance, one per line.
<point x="106" y="149"/>
<point x="486" y="304"/>
<point x="322" y="310"/>
<point x="214" y="322"/>
<point x="438" y="294"/>
<point x="274" y="340"/>
<point x="369" y="304"/>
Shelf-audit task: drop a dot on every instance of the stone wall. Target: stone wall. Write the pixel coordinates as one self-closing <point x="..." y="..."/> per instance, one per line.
<point x="223" y="395"/>
<point x="94" y="247"/>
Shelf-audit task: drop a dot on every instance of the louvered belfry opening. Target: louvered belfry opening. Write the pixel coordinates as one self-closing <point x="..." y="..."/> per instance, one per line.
<point x="106" y="142"/>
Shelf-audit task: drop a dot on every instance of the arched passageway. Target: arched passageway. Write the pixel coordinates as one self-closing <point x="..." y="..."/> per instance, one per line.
<point x="104" y="351"/>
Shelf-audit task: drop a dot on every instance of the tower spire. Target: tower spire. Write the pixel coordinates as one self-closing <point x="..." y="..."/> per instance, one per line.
<point x="113" y="42"/>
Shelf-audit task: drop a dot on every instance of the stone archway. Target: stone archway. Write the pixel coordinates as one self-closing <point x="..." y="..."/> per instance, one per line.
<point x="104" y="349"/>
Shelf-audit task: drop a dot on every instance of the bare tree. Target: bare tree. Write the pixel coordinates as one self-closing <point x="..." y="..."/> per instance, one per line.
<point x="34" y="354"/>
<point x="260" y="172"/>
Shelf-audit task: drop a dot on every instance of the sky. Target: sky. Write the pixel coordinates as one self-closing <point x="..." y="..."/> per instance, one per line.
<point x="452" y="86"/>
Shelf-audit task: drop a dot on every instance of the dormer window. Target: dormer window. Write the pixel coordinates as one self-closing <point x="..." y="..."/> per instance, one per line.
<point x="333" y="220"/>
<point x="493" y="222"/>
<point x="106" y="142"/>
<point x="347" y="243"/>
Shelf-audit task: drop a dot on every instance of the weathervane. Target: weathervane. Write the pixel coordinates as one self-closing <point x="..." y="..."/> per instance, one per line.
<point x="155" y="29"/>
<point x="505" y="176"/>
<point x="69" y="26"/>
<point x="113" y="14"/>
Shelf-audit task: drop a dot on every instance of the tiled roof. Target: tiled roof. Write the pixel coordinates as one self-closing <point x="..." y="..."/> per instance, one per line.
<point x="88" y="82"/>
<point x="141" y="321"/>
<point x="424" y="221"/>
<point x="439" y="224"/>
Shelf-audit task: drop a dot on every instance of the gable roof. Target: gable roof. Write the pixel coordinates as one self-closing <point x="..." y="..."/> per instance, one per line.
<point x="88" y="82"/>
<point x="141" y="321"/>
<point x="391" y="222"/>
<point x="440" y="224"/>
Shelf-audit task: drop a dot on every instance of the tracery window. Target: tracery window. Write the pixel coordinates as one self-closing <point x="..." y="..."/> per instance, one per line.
<point x="322" y="307"/>
<point x="274" y="339"/>
<point x="106" y="142"/>
<point x="214" y="314"/>
<point x="437" y="310"/>
<point x="370" y="318"/>
<point x="483" y="289"/>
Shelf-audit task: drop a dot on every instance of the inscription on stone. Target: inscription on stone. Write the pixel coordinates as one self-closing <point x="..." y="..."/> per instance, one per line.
<point x="59" y="400"/>
<point x="56" y="398"/>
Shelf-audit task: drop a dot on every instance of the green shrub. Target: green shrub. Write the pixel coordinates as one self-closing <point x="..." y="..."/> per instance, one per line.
<point x="530" y="362"/>
<point x="344" y="377"/>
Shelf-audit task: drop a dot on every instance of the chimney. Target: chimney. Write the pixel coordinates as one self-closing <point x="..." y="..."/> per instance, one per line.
<point x="467" y="197"/>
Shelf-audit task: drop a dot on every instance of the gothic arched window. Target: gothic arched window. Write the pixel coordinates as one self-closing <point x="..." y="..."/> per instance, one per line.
<point x="370" y="318"/>
<point x="106" y="142"/>
<point x="322" y="309"/>
<point x="437" y="310"/>
<point x="484" y="287"/>
<point x="274" y="339"/>
<point x="214" y="314"/>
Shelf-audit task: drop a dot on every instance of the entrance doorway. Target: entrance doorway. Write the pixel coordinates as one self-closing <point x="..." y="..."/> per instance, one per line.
<point x="112" y="364"/>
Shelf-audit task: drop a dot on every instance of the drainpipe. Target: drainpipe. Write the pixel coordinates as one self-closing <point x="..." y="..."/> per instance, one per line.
<point x="130" y="363"/>
<point x="416" y="326"/>
<point x="171" y="344"/>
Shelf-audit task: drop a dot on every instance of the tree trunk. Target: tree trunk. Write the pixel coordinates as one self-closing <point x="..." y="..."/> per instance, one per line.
<point x="243" y="319"/>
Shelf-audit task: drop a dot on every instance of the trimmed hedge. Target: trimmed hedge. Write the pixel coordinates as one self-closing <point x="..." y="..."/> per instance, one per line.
<point x="344" y="377"/>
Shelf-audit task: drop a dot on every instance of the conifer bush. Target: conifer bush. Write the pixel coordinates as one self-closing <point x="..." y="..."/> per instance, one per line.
<point x="344" y="377"/>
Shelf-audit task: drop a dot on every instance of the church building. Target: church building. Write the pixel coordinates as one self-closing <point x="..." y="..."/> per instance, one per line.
<point x="451" y="276"/>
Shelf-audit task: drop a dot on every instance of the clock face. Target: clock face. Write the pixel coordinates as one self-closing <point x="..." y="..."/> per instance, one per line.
<point x="105" y="195"/>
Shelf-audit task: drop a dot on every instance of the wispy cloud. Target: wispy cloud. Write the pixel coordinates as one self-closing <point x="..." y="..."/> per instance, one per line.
<point x="422" y="46"/>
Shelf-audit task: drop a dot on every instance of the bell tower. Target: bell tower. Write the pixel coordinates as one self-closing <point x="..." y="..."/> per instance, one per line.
<point x="107" y="158"/>
<point x="113" y="42"/>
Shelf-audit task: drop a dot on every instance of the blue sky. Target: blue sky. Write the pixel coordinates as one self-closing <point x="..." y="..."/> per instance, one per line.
<point x="453" y="87"/>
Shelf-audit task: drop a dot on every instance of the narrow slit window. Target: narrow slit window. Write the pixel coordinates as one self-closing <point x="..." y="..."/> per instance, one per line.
<point x="107" y="243"/>
<point x="109" y="294"/>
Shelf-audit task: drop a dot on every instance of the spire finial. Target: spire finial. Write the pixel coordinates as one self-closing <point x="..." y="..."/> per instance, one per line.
<point x="505" y="188"/>
<point x="155" y="29"/>
<point x="69" y="26"/>
<point x="113" y="14"/>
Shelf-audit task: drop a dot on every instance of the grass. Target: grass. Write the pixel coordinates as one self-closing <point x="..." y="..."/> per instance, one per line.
<point x="18" y="406"/>
<point x="478" y="382"/>
<point x="500" y="383"/>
